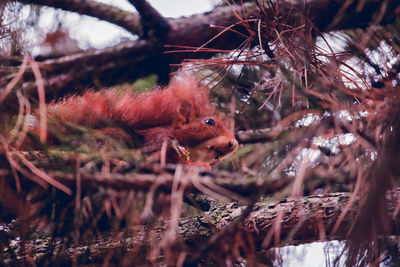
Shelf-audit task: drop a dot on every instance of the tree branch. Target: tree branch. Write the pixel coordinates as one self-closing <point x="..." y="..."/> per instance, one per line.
<point x="106" y="67"/>
<point x="125" y="19"/>
<point x="270" y="224"/>
<point x="154" y="25"/>
<point x="304" y="219"/>
<point x="236" y="185"/>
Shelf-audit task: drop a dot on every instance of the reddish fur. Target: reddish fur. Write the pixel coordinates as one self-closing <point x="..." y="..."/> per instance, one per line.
<point x="158" y="108"/>
<point x="174" y="113"/>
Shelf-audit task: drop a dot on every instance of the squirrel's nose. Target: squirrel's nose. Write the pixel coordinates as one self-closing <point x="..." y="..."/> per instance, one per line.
<point x="233" y="144"/>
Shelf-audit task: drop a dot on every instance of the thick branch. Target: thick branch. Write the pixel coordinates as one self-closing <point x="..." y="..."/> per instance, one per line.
<point x="127" y="20"/>
<point x="108" y="66"/>
<point x="304" y="220"/>
<point x="154" y="25"/>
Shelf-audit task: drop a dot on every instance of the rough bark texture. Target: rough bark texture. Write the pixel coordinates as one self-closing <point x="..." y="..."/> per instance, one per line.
<point x="304" y="220"/>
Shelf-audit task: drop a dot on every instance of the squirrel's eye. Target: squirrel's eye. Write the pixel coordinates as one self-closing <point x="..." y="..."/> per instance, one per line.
<point x="209" y="122"/>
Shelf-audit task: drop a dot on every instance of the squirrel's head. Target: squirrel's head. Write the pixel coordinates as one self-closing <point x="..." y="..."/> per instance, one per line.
<point x="207" y="138"/>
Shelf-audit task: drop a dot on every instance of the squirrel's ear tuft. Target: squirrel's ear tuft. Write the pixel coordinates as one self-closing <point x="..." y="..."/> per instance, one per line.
<point x="184" y="111"/>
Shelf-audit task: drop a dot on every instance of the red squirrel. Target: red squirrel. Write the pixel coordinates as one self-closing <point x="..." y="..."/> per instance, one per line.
<point x="178" y="116"/>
